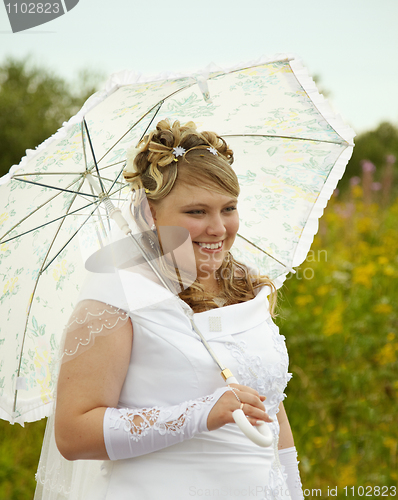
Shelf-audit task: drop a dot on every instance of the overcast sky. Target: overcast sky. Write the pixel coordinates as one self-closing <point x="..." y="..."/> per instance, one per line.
<point x="351" y="45"/>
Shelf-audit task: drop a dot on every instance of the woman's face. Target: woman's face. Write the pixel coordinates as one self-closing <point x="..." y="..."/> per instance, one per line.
<point x="211" y="219"/>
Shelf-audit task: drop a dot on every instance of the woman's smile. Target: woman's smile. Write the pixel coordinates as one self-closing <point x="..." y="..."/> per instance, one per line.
<point x="210" y="247"/>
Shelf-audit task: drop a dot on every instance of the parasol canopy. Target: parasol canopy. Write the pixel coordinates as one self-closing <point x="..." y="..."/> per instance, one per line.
<point x="290" y="150"/>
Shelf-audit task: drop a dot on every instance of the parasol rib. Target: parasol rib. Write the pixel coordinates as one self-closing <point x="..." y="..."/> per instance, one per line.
<point x="158" y="105"/>
<point x="93" y="154"/>
<point x="50" y="222"/>
<point x="70" y="239"/>
<point x="266" y="253"/>
<point x="57" y="188"/>
<point x="306" y="139"/>
<point x="34" y="211"/>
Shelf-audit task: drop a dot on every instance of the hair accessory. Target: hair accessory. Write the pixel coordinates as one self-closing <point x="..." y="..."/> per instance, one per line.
<point x="212" y="151"/>
<point x="178" y="151"/>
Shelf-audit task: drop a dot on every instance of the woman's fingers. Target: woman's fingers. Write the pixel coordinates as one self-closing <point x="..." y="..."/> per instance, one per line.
<point x="240" y="398"/>
<point x="253" y="407"/>
<point x="249" y="395"/>
<point x="255" y="414"/>
<point x="245" y="388"/>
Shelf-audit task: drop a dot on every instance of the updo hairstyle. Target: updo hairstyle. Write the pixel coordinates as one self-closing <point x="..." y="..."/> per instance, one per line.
<point x="154" y="167"/>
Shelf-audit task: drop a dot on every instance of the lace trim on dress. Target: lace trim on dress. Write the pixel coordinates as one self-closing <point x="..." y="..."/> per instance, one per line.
<point x="157" y="418"/>
<point x="266" y="379"/>
<point x="90" y="319"/>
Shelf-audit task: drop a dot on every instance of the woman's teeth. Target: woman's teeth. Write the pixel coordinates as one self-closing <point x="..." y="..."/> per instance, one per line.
<point x="211" y="246"/>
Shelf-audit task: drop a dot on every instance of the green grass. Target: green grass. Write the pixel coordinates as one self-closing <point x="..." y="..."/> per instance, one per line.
<point x="19" y="456"/>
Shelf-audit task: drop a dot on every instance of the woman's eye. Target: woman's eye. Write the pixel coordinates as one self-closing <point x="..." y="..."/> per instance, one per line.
<point x="195" y="212"/>
<point x="230" y="209"/>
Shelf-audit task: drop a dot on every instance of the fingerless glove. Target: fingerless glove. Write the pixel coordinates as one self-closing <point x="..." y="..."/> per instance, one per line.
<point x="130" y="433"/>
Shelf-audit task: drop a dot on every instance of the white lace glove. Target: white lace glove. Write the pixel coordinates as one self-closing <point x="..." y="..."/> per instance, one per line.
<point x="157" y="428"/>
<point x="288" y="458"/>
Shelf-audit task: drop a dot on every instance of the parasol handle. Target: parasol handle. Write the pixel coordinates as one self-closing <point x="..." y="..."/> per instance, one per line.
<point x="261" y="434"/>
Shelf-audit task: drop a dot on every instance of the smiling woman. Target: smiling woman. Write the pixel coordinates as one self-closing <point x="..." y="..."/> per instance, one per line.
<point x="142" y="412"/>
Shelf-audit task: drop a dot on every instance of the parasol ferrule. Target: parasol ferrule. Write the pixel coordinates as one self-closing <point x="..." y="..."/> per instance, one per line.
<point x="226" y="374"/>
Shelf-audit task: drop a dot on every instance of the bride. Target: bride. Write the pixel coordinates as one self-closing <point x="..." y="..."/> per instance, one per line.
<point x="141" y="411"/>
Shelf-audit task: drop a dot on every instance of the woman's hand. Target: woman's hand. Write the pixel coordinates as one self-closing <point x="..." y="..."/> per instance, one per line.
<point x="253" y="407"/>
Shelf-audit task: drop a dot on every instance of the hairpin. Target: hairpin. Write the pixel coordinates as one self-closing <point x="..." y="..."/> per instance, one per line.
<point x="213" y="151"/>
<point x="178" y="151"/>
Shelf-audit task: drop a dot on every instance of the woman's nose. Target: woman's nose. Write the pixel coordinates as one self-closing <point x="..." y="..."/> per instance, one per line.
<point x="216" y="226"/>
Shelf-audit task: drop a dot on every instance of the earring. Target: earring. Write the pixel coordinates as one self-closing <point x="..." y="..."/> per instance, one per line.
<point x="153" y="227"/>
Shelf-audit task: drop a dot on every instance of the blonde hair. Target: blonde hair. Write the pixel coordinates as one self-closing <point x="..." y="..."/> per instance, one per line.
<point x="204" y="161"/>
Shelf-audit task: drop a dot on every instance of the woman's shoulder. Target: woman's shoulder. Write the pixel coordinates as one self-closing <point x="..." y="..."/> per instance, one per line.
<point x="124" y="290"/>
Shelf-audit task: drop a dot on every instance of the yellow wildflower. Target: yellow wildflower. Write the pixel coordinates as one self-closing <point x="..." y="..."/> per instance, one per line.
<point x="303" y="300"/>
<point x="390" y="442"/>
<point x="389" y="271"/>
<point x="362" y="275"/>
<point x="365" y="225"/>
<point x="318" y="442"/>
<point x="356" y="191"/>
<point x="334" y="322"/>
<point x="387" y="354"/>
<point x="347" y="475"/>
<point x="382" y="308"/>
<point x="323" y="290"/>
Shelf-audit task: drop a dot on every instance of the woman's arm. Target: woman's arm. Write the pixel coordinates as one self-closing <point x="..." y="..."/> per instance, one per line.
<point x="288" y="456"/>
<point x="87" y="386"/>
<point x="285" y="434"/>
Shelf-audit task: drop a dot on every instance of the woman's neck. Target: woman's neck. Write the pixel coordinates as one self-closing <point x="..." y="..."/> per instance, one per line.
<point x="210" y="284"/>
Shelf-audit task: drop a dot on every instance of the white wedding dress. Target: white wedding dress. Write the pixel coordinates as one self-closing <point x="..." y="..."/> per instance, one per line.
<point x="169" y="365"/>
